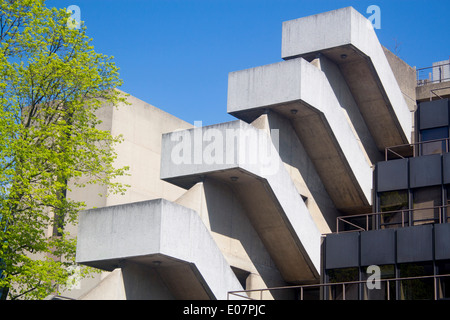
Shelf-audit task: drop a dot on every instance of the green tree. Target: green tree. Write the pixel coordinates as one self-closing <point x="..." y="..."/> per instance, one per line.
<point x="52" y="83"/>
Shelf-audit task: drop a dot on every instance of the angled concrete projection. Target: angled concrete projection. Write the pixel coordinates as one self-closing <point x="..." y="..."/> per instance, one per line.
<point x="349" y="40"/>
<point x="302" y="93"/>
<point x="245" y="158"/>
<point x="159" y="237"/>
<point x="301" y="169"/>
<point x="223" y="214"/>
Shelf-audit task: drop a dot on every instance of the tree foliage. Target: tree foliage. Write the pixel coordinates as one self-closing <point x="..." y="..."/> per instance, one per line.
<point x="52" y="82"/>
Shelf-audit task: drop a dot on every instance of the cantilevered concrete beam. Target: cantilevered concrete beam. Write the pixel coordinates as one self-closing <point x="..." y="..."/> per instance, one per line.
<point x="302" y="93"/>
<point x="245" y="158"/>
<point x="165" y="237"/>
<point x="348" y="39"/>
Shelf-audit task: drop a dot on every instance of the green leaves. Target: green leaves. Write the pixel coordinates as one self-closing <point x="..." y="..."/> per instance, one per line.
<point x="52" y="84"/>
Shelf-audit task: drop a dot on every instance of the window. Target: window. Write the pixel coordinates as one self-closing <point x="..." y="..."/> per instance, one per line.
<point x="336" y="292"/>
<point x="443" y="268"/>
<point x="434" y="146"/>
<point x="395" y="206"/>
<point x="416" y="289"/>
<point x="386" y="289"/>
<point x="426" y="203"/>
<point x="446" y="213"/>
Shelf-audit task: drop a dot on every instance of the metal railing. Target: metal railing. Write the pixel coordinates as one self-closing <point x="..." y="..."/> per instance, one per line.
<point x="433" y="92"/>
<point x="437" y="146"/>
<point x="339" y="290"/>
<point x="434" y="74"/>
<point x="392" y="219"/>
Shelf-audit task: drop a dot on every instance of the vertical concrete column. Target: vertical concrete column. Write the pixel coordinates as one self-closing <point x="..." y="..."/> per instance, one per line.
<point x="254" y="281"/>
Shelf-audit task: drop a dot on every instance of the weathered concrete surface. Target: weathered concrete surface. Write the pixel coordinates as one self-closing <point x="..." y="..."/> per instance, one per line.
<point x="141" y="126"/>
<point x="271" y="202"/>
<point x="160" y="235"/>
<point x="406" y="78"/>
<point x="407" y="81"/>
<point x="301" y="170"/>
<point x="348" y="39"/>
<point x="222" y="212"/>
<point x="246" y="159"/>
<point x="302" y="93"/>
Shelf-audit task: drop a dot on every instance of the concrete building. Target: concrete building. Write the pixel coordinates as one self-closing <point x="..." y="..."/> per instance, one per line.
<point x="236" y="209"/>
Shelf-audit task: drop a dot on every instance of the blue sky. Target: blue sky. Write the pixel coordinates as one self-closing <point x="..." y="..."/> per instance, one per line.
<point x="176" y="54"/>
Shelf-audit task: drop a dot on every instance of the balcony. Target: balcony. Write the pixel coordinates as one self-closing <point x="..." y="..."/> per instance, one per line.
<point x="433" y="82"/>
<point x="435" y="146"/>
<point x="393" y="219"/>
<point x="433" y="287"/>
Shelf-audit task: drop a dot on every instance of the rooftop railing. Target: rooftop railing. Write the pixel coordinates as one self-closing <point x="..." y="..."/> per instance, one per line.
<point x="434" y="74"/>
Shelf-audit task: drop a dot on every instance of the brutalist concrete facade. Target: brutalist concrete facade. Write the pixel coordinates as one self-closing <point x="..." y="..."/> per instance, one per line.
<point x="244" y="205"/>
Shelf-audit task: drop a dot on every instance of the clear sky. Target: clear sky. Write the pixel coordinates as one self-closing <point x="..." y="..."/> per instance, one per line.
<point x="176" y="54"/>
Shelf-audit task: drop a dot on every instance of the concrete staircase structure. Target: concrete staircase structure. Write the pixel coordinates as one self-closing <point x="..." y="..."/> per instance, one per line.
<point x="260" y="191"/>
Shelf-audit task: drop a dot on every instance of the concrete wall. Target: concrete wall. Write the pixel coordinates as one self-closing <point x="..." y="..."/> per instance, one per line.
<point x="141" y="126"/>
<point x="433" y="91"/>
<point x="407" y="82"/>
<point x="141" y="236"/>
<point x="301" y="169"/>
<point x="223" y="214"/>
<point x="265" y="188"/>
<point x="348" y="38"/>
<point x="405" y="76"/>
<point x="132" y="282"/>
<point x="423" y="171"/>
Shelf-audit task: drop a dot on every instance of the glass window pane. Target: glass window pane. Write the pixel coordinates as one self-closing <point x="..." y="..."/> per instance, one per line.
<point x="433" y="134"/>
<point x="446" y="213"/>
<point x="342" y="275"/>
<point x="385" y="290"/>
<point x="395" y="206"/>
<point x="416" y="289"/>
<point x="425" y="203"/>
<point x="336" y="292"/>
